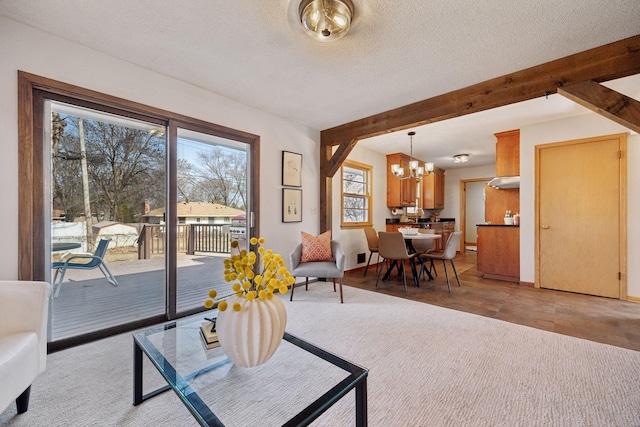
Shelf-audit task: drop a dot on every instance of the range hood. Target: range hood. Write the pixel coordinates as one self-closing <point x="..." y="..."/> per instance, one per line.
<point x="505" y="182"/>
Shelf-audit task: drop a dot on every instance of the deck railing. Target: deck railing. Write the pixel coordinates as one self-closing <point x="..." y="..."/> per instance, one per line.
<point x="191" y="238"/>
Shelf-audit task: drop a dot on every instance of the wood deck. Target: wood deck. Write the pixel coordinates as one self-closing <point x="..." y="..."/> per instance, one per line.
<point x="87" y="302"/>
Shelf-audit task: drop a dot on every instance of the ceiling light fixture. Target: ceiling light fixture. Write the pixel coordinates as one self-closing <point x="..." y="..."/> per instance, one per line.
<point x="460" y="158"/>
<point x="326" y="20"/>
<point x="415" y="170"/>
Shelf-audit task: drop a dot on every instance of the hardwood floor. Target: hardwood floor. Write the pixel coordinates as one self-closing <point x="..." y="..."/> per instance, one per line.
<point x="604" y="320"/>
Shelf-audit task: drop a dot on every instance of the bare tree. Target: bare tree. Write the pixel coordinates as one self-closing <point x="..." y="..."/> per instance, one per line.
<point x="125" y="167"/>
<point x="218" y="177"/>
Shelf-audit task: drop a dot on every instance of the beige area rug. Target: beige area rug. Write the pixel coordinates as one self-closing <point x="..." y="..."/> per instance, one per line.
<point x="428" y="366"/>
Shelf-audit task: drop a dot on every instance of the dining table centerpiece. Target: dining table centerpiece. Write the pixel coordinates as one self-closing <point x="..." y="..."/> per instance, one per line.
<point x="251" y="321"/>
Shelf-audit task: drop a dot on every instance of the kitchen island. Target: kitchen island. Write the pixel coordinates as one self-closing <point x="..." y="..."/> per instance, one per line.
<point x="499" y="251"/>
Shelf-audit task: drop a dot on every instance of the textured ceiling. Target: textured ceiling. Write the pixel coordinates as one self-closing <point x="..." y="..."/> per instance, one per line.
<point x="396" y="53"/>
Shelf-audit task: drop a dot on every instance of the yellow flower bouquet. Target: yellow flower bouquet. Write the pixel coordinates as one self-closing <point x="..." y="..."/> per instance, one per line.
<point x="251" y="281"/>
<point x="251" y="332"/>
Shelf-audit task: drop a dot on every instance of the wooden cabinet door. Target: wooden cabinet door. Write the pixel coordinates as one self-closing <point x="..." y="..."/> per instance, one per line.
<point x="439" y="228"/>
<point x="508" y="153"/>
<point x="394" y="193"/>
<point x="400" y="192"/>
<point x="433" y="190"/>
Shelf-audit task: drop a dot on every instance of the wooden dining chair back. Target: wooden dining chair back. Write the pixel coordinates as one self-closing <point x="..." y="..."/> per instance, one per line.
<point x="449" y="254"/>
<point x="393" y="248"/>
<point x="373" y="242"/>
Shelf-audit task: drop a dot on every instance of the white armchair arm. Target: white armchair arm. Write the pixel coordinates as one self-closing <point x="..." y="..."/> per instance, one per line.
<point x="24" y="307"/>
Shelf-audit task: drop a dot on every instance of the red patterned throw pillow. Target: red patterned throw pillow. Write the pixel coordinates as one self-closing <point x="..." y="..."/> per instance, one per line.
<point x="316" y="248"/>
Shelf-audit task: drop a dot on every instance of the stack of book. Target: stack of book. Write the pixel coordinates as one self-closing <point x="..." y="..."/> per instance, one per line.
<point x="209" y="335"/>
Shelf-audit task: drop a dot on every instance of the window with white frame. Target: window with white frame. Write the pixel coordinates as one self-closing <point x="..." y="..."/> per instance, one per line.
<point x="356" y="194"/>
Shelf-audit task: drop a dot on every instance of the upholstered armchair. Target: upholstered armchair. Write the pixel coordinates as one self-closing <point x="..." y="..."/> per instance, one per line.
<point x="23" y="339"/>
<point x="323" y="269"/>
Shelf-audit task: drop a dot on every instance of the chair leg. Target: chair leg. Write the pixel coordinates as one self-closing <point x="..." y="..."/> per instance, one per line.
<point x="340" y="281"/>
<point x="107" y="273"/>
<point x="404" y="277"/>
<point x="367" y="267"/>
<point x="456" y="272"/>
<point x="380" y="272"/>
<point x="334" y="285"/>
<point x="414" y="271"/>
<point x="444" y="263"/>
<point x="306" y="284"/>
<point x="22" y="402"/>
<point x="292" y="288"/>
<point x="59" y="285"/>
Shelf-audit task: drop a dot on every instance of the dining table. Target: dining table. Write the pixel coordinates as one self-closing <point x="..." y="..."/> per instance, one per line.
<point x="408" y="240"/>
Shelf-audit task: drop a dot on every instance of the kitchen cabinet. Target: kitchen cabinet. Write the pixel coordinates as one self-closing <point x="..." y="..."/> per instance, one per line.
<point x="499" y="252"/>
<point x="433" y="190"/>
<point x="400" y="192"/>
<point x="444" y="229"/>
<point x="508" y="153"/>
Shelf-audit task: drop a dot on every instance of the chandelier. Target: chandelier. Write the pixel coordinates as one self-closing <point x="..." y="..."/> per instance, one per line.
<point x="326" y="20"/>
<point x="415" y="170"/>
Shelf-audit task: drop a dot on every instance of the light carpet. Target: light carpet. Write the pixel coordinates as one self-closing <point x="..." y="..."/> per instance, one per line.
<point x="428" y="366"/>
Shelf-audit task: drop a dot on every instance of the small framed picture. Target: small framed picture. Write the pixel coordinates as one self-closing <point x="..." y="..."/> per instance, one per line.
<point x="291" y="169"/>
<point x="291" y="205"/>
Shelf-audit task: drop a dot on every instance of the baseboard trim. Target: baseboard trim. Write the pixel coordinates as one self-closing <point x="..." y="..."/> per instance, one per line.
<point x="633" y="299"/>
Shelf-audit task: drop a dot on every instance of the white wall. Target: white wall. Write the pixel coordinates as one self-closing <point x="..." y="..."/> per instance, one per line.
<point x="583" y="126"/>
<point x="452" y="178"/>
<point x="33" y="51"/>
<point x="353" y="241"/>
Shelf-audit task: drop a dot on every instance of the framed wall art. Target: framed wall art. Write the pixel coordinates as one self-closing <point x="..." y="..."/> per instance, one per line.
<point x="291" y="205"/>
<point x="291" y="169"/>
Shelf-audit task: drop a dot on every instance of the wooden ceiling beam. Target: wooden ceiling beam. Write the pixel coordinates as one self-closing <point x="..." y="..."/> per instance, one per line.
<point x="606" y="102"/>
<point x="339" y="157"/>
<point x="611" y="61"/>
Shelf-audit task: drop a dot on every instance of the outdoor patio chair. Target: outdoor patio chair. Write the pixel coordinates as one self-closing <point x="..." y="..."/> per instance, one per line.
<point x="95" y="261"/>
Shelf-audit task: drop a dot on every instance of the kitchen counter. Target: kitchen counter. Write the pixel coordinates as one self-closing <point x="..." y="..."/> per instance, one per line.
<point x="497" y="225"/>
<point x="420" y="221"/>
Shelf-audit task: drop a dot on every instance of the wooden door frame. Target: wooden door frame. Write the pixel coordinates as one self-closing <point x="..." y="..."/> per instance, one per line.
<point x="623" y="138"/>
<point x="463" y="207"/>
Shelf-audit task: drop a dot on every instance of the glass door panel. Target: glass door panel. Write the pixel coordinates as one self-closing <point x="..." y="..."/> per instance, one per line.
<point x="211" y="211"/>
<point x="107" y="184"/>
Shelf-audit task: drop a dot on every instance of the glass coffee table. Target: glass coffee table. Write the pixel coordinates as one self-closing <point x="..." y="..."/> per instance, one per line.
<point x="298" y="383"/>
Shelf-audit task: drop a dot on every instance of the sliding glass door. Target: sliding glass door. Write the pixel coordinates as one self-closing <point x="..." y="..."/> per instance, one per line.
<point x="211" y="210"/>
<point x="127" y="209"/>
<point x="107" y="180"/>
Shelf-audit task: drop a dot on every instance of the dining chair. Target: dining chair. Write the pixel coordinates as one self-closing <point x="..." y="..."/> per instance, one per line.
<point x="373" y="242"/>
<point x="423" y="247"/>
<point x="393" y="248"/>
<point x="449" y="254"/>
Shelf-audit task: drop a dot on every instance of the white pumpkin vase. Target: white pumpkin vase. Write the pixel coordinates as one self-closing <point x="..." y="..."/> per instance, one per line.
<point x="249" y="337"/>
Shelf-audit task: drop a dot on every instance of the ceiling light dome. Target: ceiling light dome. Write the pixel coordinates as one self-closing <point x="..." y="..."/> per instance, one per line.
<point x="326" y="20"/>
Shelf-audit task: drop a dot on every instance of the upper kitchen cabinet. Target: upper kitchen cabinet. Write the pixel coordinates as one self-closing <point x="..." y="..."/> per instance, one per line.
<point x="433" y="190"/>
<point x="508" y="153"/>
<point x="400" y="192"/>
